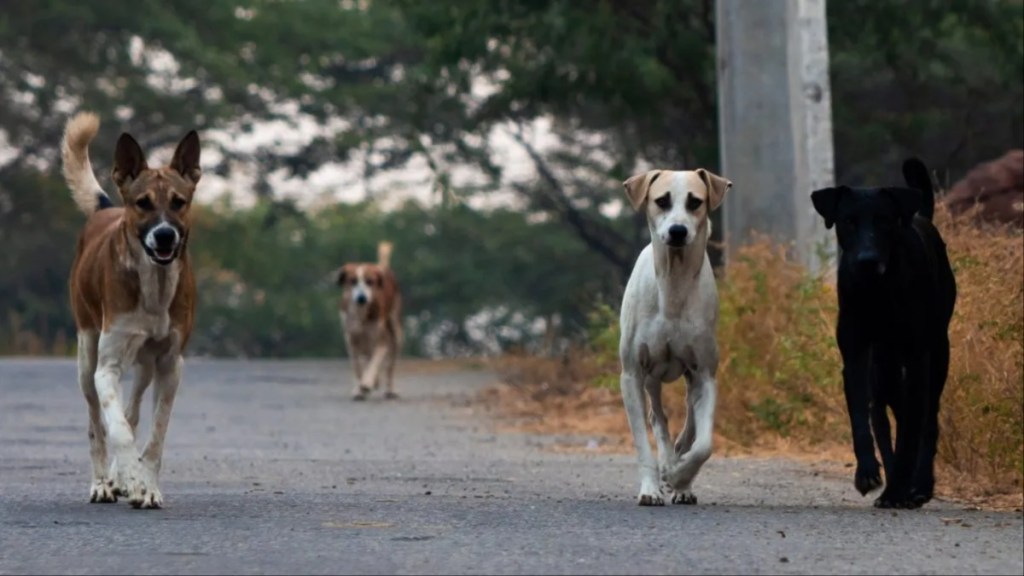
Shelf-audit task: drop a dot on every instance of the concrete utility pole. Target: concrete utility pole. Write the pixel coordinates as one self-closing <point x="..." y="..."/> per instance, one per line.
<point x="775" y="122"/>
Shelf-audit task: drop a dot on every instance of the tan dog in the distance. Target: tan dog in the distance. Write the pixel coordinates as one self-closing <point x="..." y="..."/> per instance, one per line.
<point x="371" y="319"/>
<point x="133" y="300"/>
<point x="668" y="318"/>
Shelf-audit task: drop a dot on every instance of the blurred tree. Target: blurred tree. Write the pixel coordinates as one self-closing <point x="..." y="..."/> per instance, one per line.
<point x="618" y="86"/>
<point x="472" y="282"/>
<point x="620" y="81"/>
<point x="941" y="79"/>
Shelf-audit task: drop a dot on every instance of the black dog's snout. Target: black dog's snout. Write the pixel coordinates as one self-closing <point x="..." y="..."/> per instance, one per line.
<point x="164" y="238"/>
<point x="870" y="263"/>
<point x="677" y="235"/>
<point x="360" y="298"/>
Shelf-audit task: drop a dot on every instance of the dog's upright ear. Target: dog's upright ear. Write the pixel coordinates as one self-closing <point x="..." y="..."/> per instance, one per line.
<point x="916" y="175"/>
<point x="129" y="161"/>
<point x="717" y="187"/>
<point x="186" y="158"/>
<point x="826" y="203"/>
<point x="908" y="201"/>
<point x="637" y="187"/>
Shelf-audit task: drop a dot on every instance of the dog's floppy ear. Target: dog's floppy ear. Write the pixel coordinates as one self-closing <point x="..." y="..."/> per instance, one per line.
<point x="129" y="161"/>
<point x="637" y="187"/>
<point x="186" y="157"/>
<point x="908" y="201"/>
<point x="826" y="203"/>
<point x="339" y="276"/>
<point x="717" y="187"/>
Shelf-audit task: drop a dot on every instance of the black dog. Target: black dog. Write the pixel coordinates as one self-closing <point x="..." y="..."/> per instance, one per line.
<point x="896" y="298"/>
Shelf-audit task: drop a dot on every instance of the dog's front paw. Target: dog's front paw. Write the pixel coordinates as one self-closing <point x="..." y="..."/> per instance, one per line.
<point x="650" y="500"/>
<point x="867" y="478"/>
<point x="684" y="497"/>
<point x="920" y="498"/>
<point x="898" y="501"/>
<point x="151" y="499"/>
<point x="360" y="393"/>
<point x="650" y="494"/>
<point x="102" y="491"/>
<point x="137" y="484"/>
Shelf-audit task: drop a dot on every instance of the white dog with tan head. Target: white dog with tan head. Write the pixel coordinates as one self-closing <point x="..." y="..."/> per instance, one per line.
<point x="668" y="318"/>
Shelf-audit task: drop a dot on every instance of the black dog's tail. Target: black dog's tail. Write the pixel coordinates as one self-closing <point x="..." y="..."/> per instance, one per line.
<point x="916" y="175"/>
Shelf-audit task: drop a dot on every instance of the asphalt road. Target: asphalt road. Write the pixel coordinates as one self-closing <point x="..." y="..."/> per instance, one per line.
<point x="270" y="468"/>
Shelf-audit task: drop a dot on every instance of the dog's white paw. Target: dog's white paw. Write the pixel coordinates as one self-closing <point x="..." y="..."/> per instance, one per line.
<point x="102" y="491"/>
<point x="152" y="499"/>
<point x="683" y="497"/>
<point x="137" y="484"/>
<point x="650" y="494"/>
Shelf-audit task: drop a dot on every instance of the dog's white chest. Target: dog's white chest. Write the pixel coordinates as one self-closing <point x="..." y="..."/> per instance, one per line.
<point x="362" y="334"/>
<point x="664" y="359"/>
<point x="158" y="287"/>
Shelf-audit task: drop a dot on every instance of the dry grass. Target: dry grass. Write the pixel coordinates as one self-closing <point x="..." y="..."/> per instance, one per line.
<point x="780" y="385"/>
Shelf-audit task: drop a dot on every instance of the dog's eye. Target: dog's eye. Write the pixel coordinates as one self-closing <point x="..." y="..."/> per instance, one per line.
<point x="664" y="202"/>
<point x="693" y="203"/>
<point x="144" y="203"/>
<point x="177" y="203"/>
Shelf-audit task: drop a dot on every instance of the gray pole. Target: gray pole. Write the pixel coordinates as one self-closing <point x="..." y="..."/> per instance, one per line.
<point x="775" y="122"/>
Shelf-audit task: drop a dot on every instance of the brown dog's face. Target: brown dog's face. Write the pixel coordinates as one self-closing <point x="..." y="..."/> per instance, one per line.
<point x="361" y="285"/>
<point x="158" y="200"/>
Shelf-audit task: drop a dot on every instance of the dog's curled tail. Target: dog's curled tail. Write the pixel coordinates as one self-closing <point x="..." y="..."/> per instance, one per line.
<point x="384" y="254"/>
<point x="916" y="175"/>
<point x="74" y="151"/>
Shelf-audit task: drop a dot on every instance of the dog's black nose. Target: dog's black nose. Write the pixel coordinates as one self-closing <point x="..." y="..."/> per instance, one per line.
<point x="870" y="263"/>
<point x="164" y="238"/>
<point x="677" y="235"/>
<point x="360" y="299"/>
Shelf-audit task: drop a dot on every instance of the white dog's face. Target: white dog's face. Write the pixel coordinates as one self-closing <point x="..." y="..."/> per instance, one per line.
<point x="677" y="203"/>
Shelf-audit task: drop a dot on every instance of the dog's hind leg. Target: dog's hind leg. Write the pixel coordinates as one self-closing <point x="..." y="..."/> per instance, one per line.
<point x="101" y="488"/>
<point x="685" y="439"/>
<point x="923" y="486"/>
<point x="886" y="377"/>
<point x="633" y="399"/>
<point x="143" y="378"/>
<point x="388" y="374"/>
<point x="702" y="392"/>
<point x="883" y="435"/>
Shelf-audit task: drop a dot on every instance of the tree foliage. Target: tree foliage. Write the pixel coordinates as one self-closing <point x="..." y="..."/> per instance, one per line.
<point x="586" y="92"/>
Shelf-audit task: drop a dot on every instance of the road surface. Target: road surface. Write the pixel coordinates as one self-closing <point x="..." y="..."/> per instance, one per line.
<point x="269" y="468"/>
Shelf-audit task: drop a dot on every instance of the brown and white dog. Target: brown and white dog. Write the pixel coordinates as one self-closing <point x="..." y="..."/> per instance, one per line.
<point x="133" y="299"/>
<point x="370" y="309"/>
